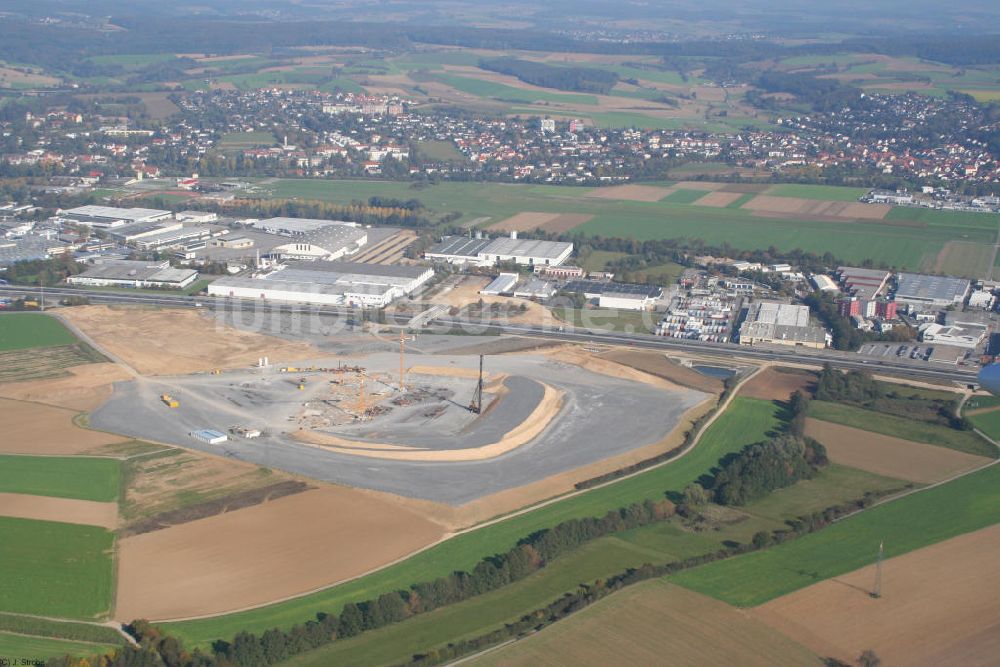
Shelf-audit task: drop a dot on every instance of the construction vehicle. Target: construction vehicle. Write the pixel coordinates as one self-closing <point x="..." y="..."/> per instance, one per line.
<point x="170" y="401"/>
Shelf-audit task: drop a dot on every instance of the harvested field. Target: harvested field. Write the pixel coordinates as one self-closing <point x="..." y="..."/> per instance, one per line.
<point x="705" y="186"/>
<point x="523" y="222"/>
<point x="565" y="222"/>
<point x="45" y="362"/>
<point x="644" y="624"/>
<point x="962" y="258"/>
<point x="816" y="208"/>
<point x="773" y="385"/>
<point x="84" y="388"/>
<point x="951" y="617"/>
<point x="66" y="510"/>
<point x="160" y="485"/>
<point x="647" y="193"/>
<point x="264" y="553"/>
<point x="661" y="366"/>
<point x="518" y="436"/>
<point x="889" y="456"/>
<point x="718" y="199"/>
<point x="161" y="342"/>
<point x="31" y="428"/>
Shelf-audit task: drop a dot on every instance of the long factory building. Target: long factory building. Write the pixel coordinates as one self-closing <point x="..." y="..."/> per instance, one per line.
<point x="327" y="283"/>
<point x="461" y="250"/>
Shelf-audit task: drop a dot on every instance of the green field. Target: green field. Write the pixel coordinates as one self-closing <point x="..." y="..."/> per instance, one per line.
<point x="61" y="477"/>
<point x="68" y="630"/>
<point x="910" y="238"/>
<point x="820" y="192"/>
<point x="988" y="423"/>
<point x="505" y="93"/>
<point x="608" y="319"/>
<point x="55" y="569"/>
<point x="745" y="422"/>
<point x="247" y="140"/>
<point x="598" y="259"/>
<point x="22" y="650"/>
<point x="444" y="151"/>
<point x="684" y="196"/>
<point x="920" y="519"/>
<point x="21" y="331"/>
<point x="907" y="429"/>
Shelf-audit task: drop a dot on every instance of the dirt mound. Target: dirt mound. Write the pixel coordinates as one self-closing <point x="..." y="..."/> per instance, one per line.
<point x="176" y="342"/>
<point x="893" y="457"/>
<point x="938" y="607"/>
<point x="264" y="553"/>
<point x="659" y="365"/>
<point x="774" y="385"/>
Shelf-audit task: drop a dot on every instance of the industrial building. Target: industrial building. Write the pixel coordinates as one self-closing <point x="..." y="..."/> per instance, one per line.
<point x="109" y="217"/>
<point x="460" y="250"/>
<point x="502" y="284"/>
<point x="824" y="283"/>
<point x="328" y="283"/>
<point x="964" y="335"/>
<point x="535" y="288"/>
<point x="773" y="323"/>
<point x="626" y="300"/>
<point x="923" y="292"/>
<point x="326" y="240"/>
<point x="134" y="274"/>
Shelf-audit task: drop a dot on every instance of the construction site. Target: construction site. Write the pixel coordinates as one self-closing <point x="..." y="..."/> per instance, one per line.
<point x="444" y="427"/>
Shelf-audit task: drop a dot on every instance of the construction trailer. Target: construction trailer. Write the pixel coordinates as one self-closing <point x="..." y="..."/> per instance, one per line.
<point x="210" y="436"/>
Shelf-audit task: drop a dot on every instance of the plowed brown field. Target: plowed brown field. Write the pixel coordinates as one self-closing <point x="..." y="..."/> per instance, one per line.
<point x="892" y="457"/>
<point x="939" y="606"/>
<point x="772" y="385"/>
<point x="31" y="428"/>
<point x="264" y="553"/>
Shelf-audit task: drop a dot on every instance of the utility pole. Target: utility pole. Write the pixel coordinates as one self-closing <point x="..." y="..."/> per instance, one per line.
<point x="476" y="406"/>
<point x="41" y="287"/>
<point x="402" y="368"/>
<point x="877" y="592"/>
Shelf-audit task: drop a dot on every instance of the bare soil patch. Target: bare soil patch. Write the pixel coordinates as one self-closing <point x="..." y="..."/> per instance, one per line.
<point x="814" y="208"/>
<point x="892" y="457"/>
<point x="938" y="607"/>
<point x="706" y="186"/>
<point x="66" y="510"/>
<point x="659" y="365"/>
<point x="85" y="388"/>
<point x="523" y="222"/>
<point x="33" y="428"/>
<point x="772" y="385"/>
<point x="565" y="222"/>
<point x="162" y="342"/>
<point x="648" y="193"/>
<point x="521" y="434"/>
<point x="261" y="554"/>
<point x="645" y="624"/>
<point x="718" y="199"/>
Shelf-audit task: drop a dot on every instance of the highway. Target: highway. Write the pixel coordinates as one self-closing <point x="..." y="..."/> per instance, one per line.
<point x="727" y="352"/>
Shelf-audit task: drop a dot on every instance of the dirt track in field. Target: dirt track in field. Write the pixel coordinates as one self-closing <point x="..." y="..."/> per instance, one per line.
<point x="939" y="606"/>
<point x="65" y="510"/>
<point x="892" y="457"/>
<point x="31" y="428"/>
<point x="647" y="193"/>
<point x="264" y="553"/>
<point x="772" y="385"/>
<point x="174" y="342"/>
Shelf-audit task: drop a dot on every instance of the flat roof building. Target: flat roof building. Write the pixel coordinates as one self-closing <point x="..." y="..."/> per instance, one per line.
<point x="773" y="323"/>
<point x="502" y="284"/>
<point x="930" y="292"/>
<point x="134" y="274"/>
<point x="328" y="283"/>
<point x="313" y="239"/>
<point x="112" y="216"/>
<point x="487" y="252"/>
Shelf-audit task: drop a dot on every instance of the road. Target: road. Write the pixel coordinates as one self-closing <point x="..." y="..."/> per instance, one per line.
<point x="727" y="351"/>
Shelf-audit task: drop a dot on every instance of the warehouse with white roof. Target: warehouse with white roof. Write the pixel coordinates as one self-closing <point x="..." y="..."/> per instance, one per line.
<point x="461" y="250"/>
<point x="328" y="283"/>
<point x="773" y="323"/>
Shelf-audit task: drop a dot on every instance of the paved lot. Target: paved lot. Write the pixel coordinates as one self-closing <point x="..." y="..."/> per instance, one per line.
<point x="602" y="417"/>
